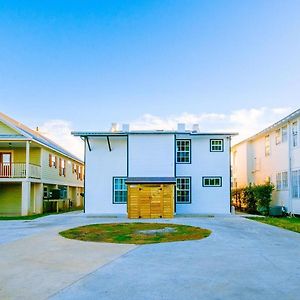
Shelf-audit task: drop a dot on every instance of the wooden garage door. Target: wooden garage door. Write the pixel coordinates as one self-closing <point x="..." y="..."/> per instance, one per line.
<point x="150" y="201"/>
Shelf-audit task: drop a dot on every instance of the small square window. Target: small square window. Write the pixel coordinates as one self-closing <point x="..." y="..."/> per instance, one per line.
<point x="216" y="145"/>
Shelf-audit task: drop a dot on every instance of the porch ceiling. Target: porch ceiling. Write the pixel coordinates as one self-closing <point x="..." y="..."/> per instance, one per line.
<point x="17" y="144"/>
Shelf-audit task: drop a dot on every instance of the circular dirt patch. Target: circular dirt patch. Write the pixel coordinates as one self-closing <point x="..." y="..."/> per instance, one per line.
<point x="136" y="233"/>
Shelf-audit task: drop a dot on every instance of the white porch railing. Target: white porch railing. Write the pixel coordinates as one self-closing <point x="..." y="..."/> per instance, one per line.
<point x="18" y="170"/>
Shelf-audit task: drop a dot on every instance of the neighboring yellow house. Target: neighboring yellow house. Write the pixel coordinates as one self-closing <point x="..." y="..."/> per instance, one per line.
<point x="31" y="166"/>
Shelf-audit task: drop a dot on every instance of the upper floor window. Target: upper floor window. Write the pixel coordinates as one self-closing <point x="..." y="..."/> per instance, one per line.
<point x="216" y="145"/>
<point x="295" y="134"/>
<point x="277" y="137"/>
<point x="284" y="134"/>
<point x="52" y="160"/>
<point x="212" y="181"/>
<point x="119" y="190"/>
<point x="183" y="190"/>
<point x="267" y="145"/>
<point x="63" y="167"/>
<point x="80" y="173"/>
<point x="183" y="151"/>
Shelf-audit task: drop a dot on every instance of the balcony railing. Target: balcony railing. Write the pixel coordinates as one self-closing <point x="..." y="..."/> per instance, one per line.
<point x="18" y="170"/>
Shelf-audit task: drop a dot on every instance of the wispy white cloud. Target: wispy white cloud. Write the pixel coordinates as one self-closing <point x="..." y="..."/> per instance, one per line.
<point x="59" y="131"/>
<point x="244" y="121"/>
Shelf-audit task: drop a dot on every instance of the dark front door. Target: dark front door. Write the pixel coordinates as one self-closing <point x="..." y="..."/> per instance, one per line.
<point x="5" y="164"/>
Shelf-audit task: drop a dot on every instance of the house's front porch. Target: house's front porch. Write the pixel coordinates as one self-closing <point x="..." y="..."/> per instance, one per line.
<point x="21" y="197"/>
<point x="20" y="177"/>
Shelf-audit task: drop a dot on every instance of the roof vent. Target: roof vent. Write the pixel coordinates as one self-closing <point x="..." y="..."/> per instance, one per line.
<point x="114" y="127"/>
<point x="181" y="127"/>
<point x="196" y="128"/>
<point x="125" y="127"/>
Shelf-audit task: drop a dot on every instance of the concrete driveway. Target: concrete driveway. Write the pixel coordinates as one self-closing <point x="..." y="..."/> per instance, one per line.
<point x="242" y="259"/>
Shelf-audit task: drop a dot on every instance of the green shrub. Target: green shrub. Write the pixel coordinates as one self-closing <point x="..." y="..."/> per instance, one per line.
<point x="249" y="199"/>
<point x="263" y="196"/>
<point x="253" y="198"/>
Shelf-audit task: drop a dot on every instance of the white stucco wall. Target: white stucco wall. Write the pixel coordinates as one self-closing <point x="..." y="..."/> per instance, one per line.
<point x="151" y="155"/>
<point x="101" y="166"/>
<point x="206" y="163"/>
<point x="276" y="162"/>
<point x="240" y="165"/>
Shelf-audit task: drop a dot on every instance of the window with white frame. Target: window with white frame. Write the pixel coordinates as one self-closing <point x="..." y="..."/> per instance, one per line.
<point x="183" y="190"/>
<point x="278" y="181"/>
<point x="277" y="136"/>
<point x="295" y="134"/>
<point x="63" y="167"/>
<point x="267" y="145"/>
<point x="284" y="180"/>
<point x="213" y="181"/>
<point x="284" y="134"/>
<point x="53" y="160"/>
<point x="183" y="151"/>
<point x="216" y="145"/>
<point x="119" y="190"/>
<point x="296" y="184"/>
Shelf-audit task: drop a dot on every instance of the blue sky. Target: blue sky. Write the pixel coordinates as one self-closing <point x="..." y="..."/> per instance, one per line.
<point x="89" y="63"/>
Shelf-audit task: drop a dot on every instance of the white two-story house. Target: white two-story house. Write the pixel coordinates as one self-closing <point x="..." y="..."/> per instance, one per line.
<point x="272" y="155"/>
<point x="188" y="167"/>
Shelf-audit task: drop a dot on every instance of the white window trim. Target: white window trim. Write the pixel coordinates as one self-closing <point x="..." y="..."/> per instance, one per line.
<point x="214" y="140"/>
<point x="118" y="190"/>
<point x="211" y="177"/>
<point x="189" y="190"/>
<point x="180" y="151"/>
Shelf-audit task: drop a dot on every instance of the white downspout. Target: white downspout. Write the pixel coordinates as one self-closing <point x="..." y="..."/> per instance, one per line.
<point x="290" y="200"/>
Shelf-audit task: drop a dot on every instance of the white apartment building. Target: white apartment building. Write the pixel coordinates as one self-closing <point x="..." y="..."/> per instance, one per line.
<point x="272" y="155"/>
<point x="196" y="163"/>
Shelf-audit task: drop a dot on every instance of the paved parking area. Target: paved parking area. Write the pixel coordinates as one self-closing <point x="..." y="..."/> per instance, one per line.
<point x="242" y="259"/>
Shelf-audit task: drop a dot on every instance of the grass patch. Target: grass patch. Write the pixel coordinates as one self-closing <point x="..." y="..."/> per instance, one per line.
<point x="31" y="217"/>
<point x="128" y="233"/>
<point x="35" y="216"/>
<point x="289" y="223"/>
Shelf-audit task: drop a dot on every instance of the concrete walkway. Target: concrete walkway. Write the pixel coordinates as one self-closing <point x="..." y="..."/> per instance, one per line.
<point x="242" y="259"/>
<point x="38" y="265"/>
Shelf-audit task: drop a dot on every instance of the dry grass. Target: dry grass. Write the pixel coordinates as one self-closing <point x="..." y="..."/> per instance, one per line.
<point x="127" y="233"/>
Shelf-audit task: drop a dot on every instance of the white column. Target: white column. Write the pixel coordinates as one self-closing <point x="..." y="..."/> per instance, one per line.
<point x="27" y="158"/>
<point x="38" y="198"/>
<point x="290" y="201"/>
<point x="25" y="198"/>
